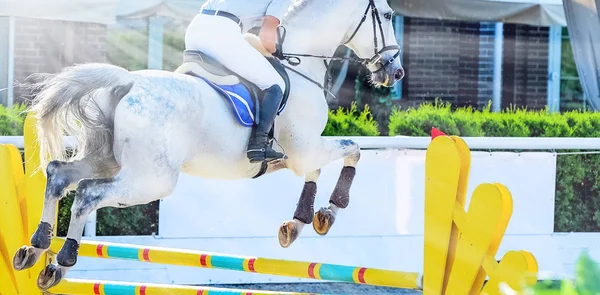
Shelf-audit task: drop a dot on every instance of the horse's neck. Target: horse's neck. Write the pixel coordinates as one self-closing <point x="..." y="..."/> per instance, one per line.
<point x="318" y="28"/>
<point x="314" y="68"/>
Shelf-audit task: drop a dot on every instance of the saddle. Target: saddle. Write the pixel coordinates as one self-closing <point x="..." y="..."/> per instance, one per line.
<point x="241" y="93"/>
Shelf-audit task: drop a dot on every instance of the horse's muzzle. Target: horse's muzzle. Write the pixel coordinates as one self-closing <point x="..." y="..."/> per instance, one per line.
<point x="399" y="74"/>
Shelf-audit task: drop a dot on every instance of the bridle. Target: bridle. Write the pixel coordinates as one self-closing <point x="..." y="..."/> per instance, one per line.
<point x="294" y="58"/>
<point x="376" y="58"/>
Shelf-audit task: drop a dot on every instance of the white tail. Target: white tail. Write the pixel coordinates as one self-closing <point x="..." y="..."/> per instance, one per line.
<point x="68" y="104"/>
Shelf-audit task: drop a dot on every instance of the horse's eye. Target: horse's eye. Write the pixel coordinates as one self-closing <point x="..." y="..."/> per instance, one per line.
<point x="388" y="16"/>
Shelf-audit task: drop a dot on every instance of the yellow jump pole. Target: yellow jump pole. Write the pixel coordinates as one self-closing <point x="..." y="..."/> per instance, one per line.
<point x="298" y="269"/>
<point x="93" y="287"/>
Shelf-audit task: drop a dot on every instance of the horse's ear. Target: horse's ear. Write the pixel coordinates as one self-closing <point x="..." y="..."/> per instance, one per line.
<point x="254" y="40"/>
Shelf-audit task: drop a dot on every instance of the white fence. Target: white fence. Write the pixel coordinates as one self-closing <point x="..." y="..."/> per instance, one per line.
<point x="382" y="227"/>
<point x="411" y="142"/>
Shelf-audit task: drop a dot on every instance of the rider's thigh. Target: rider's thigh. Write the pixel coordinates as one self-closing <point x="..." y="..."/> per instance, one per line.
<point x="221" y="38"/>
<point x="198" y="37"/>
<point x="246" y="61"/>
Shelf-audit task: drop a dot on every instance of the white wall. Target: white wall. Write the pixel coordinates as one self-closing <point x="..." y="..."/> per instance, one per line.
<point x="386" y="198"/>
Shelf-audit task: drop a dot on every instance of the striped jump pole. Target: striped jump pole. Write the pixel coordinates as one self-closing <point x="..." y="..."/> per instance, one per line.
<point x="92" y="287"/>
<point x="298" y="269"/>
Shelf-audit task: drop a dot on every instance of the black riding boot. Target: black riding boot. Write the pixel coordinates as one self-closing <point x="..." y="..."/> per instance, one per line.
<point x="258" y="145"/>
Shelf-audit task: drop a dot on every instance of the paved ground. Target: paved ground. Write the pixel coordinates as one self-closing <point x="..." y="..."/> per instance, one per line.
<point x="323" y="288"/>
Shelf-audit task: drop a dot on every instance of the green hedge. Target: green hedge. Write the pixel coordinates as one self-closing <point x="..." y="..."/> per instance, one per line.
<point x="11" y="120"/>
<point x="131" y="221"/>
<point x="577" y="205"/>
<point x="351" y="122"/>
<point x="510" y="123"/>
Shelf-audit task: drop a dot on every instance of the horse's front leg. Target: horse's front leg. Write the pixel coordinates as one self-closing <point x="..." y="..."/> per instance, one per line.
<point x="311" y="158"/>
<point x="290" y="230"/>
<point x="340" y="197"/>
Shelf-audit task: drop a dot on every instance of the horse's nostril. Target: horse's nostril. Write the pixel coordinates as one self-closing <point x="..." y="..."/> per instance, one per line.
<point x="399" y="74"/>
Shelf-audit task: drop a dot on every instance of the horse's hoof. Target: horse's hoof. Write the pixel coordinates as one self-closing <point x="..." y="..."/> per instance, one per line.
<point x="288" y="233"/>
<point x="323" y="220"/>
<point x="26" y="257"/>
<point x="50" y="277"/>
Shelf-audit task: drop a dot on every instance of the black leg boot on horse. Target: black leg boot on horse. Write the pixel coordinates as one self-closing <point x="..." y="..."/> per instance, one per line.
<point x="259" y="149"/>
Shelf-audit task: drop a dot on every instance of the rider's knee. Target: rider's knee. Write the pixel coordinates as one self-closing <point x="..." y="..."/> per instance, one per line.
<point x="280" y="82"/>
<point x="274" y="80"/>
<point x="274" y="90"/>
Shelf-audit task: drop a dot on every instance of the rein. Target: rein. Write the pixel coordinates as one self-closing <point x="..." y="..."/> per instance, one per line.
<point x="294" y="58"/>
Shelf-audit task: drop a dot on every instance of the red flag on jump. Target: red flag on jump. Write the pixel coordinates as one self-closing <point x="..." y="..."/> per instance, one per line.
<point x="436" y="132"/>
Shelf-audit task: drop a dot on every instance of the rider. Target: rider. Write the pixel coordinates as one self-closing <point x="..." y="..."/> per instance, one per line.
<point x="218" y="31"/>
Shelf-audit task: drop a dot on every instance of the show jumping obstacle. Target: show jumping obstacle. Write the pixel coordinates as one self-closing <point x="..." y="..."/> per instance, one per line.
<point x="459" y="247"/>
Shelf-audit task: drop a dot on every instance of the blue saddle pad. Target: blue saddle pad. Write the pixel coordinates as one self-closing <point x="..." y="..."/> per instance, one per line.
<point x="241" y="101"/>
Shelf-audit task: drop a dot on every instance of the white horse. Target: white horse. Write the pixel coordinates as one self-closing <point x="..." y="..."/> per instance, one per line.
<point x="137" y="131"/>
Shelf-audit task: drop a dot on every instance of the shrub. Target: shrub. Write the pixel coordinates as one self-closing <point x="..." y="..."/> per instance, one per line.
<point x="11" y="120"/>
<point x="351" y="123"/>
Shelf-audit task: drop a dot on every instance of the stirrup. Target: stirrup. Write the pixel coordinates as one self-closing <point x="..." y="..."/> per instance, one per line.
<point x="260" y="155"/>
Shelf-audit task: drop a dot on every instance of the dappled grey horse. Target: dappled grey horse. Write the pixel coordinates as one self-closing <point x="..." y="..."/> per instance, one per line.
<point x="137" y="131"/>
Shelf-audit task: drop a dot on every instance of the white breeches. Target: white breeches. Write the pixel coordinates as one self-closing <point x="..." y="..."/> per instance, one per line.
<point x="221" y="38"/>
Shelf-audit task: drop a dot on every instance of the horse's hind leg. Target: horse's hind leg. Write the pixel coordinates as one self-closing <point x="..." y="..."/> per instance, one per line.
<point x="60" y="175"/>
<point x="320" y="155"/>
<point x="127" y="188"/>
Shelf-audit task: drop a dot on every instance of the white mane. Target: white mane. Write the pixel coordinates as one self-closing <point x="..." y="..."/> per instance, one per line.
<point x="296" y="7"/>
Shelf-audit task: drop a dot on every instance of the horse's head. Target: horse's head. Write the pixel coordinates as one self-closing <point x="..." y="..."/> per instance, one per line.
<point x="371" y="36"/>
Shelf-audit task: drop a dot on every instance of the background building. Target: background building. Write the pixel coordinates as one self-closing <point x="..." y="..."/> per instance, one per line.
<point x="468" y="63"/>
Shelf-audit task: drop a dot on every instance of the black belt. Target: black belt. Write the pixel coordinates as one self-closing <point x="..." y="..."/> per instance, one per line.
<point x="223" y="14"/>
